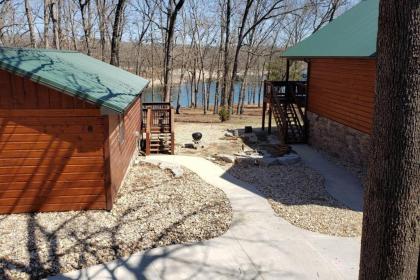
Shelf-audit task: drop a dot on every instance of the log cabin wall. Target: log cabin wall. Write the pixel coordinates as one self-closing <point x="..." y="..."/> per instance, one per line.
<point x="341" y="99"/>
<point x="51" y="149"/>
<point x="343" y="90"/>
<point x="122" y="143"/>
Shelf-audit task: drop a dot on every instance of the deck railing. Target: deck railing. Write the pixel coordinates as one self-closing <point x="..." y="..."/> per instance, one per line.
<point x="158" y="124"/>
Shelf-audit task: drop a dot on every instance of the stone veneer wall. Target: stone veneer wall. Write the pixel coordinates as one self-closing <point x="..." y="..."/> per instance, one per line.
<point x="338" y="140"/>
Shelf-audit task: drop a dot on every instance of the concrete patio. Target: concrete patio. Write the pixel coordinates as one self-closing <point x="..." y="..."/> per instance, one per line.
<point x="258" y="245"/>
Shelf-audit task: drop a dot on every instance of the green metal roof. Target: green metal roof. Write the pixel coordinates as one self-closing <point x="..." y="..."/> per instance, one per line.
<point x="353" y="34"/>
<point x="76" y="74"/>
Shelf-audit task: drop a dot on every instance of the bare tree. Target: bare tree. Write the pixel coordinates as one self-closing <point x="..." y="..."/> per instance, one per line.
<point x="47" y="4"/>
<point x="54" y="15"/>
<point x="83" y="5"/>
<point x="28" y="12"/>
<point x="228" y="11"/>
<point x="172" y="12"/>
<point x="268" y="11"/>
<point x="101" y="8"/>
<point x="117" y="33"/>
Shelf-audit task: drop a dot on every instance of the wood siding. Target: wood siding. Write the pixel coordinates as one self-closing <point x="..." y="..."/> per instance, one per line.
<point x="343" y="90"/>
<point x="51" y="149"/>
<point x="122" y="148"/>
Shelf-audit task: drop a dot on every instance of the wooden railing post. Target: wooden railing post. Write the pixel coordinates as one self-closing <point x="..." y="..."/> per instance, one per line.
<point x="270" y="116"/>
<point x="264" y="109"/>
<point x="172" y="123"/>
<point x="148" y="130"/>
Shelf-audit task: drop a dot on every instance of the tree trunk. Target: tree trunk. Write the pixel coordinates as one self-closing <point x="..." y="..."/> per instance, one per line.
<point x="100" y="5"/>
<point x="46" y="23"/>
<point x="117" y="33"/>
<point x="237" y="50"/>
<point x="86" y="29"/>
<point x="391" y="233"/>
<point x="219" y="58"/>
<point x="223" y="99"/>
<point x="28" y="12"/>
<point x="72" y="25"/>
<point x="241" y="101"/>
<point x="54" y="14"/>
<point x="168" y="49"/>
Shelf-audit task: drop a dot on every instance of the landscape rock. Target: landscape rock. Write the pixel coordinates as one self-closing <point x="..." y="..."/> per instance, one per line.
<point x="226" y="158"/>
<point x="288" y="159"/>
<point x="247" y="158"/>
<point x="228" y="134"/>
<point x="176" y="169"/>
<point x="188" y="146"/>
<point x="251" y="137"/>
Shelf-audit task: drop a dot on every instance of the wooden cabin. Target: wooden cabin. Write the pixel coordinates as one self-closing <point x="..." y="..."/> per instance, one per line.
<point x="69" y="128"/>
<point x="336" y="111"/>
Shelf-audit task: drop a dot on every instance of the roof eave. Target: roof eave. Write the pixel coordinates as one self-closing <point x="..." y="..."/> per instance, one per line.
<point x="51" y="84"/>
<point x="373" y="56"/>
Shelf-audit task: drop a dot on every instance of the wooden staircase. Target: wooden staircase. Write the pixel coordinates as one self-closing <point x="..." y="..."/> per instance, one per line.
<point x="286" y="101"/>
<point x="158" y="128"/>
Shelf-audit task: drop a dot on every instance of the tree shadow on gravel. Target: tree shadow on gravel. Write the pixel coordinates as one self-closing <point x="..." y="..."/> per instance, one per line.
<point x="50" y="251"/>
<point x="294" y="184"/>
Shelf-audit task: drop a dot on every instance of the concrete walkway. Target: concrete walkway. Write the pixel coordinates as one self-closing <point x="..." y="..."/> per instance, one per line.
<point x="258" y="245"/>
<point x="342" y="185"/>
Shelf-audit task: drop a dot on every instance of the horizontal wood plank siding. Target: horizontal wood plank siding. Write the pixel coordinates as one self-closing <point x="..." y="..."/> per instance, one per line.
<point x="121" y="151"/>
<point x="343" y="90"/>
<point x="51" y="149"/>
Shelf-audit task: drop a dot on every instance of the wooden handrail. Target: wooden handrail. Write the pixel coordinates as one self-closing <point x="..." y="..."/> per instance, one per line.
<point x="286" y="99"/>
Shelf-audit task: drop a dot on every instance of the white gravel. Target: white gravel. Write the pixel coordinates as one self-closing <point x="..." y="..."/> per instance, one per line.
<point x="153" y="209"/>
<point x="297" y="194"/>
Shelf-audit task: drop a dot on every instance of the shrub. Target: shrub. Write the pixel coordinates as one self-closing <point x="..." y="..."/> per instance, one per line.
<point x="224" y="114"/>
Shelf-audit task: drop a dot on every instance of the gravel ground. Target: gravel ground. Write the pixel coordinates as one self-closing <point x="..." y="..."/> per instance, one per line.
<point x="214" y="140"/>
<point x="297" y="194"/>
<point x="153" y="209"/>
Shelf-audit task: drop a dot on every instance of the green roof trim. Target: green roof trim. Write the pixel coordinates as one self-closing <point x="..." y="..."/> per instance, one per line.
<point x="75" y="74"/>
<point x="353" y="34"/>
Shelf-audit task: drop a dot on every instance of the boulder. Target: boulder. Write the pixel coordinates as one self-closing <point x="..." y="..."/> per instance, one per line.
<point x="176" y="169"/>
<point x="226" y="158"/>
<point x="251" y="138"/>
<point x="249" y="158"/>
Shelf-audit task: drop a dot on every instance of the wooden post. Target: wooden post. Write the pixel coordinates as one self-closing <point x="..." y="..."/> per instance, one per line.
<point x="148" y="129"/>
<point x="287" y="69"/>
<point x="270" y="115"/>
<point x="172" y="132"/>
<point x="264" y="109"/>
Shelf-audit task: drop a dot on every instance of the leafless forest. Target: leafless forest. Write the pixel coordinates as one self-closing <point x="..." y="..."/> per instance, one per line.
<point x="171" y="42"/>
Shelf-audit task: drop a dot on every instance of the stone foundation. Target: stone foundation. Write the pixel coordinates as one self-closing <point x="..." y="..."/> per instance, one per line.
<point x="338" y="140"/>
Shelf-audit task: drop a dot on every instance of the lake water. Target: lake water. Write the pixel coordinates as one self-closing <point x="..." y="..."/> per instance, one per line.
<point x="185" y="94"/>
